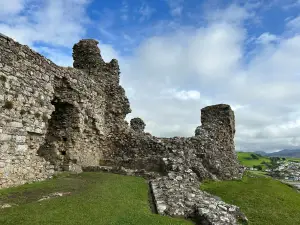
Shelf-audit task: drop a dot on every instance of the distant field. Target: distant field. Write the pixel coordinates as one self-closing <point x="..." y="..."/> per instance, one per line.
<point x="96" y="199"/>
<point x="261" y="173"/>
<point x="293" y="159"/>
<point x="265" y="201"/>
<point x="246" y="159"/>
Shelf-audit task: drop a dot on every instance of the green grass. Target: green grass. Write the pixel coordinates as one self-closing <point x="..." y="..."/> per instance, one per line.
<point x="293" y="159"/>
<point x="96" y="199"/>
<point x="246" y="160"/>
<point x="265" y="201"/>
<point x="260" y="173"/>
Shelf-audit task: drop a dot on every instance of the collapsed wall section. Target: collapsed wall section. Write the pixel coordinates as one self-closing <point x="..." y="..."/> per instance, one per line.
<point x="210" y="153"/>
<point x="176" y="166"/>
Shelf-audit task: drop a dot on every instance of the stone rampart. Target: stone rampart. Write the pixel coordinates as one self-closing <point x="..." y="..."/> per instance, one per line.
<point x="72" y="119"/>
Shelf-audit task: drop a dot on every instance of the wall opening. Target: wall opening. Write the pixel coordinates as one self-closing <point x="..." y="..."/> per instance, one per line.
<point x="61" y="132"/>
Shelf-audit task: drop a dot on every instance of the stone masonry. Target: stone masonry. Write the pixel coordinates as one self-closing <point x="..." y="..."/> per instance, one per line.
<point x="55" y="118"/>
<point x="73" y="119"/>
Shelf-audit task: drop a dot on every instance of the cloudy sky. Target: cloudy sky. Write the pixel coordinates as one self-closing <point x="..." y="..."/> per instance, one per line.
<point x="178" y="56"/>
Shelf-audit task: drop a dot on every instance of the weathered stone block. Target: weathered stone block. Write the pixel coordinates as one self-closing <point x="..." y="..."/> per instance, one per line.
<point x="5" y="137"/>
<point x="15" y="124"/>
<point x="20" y="139"/>
<point x="21" y="148"/>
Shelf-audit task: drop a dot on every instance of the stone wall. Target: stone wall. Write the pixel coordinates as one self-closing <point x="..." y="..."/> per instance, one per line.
<point x="55" y="118"/>
<point x="210" y="153"/>
<point x="61" y="118"/>
<point x="72" y="119"/>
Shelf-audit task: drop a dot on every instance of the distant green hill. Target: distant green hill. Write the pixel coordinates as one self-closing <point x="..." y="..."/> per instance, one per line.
<point x="247" y="159"/>
<point x="288" y="153"/>
<point x="252" y="159"/>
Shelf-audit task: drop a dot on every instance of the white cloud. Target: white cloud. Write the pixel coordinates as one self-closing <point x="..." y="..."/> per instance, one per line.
<point x="59" y="22"/>
<point x="11" y="7"/>
<point x="176" y="7"/>
<point x="208" y="51"/>
<point x="237" y="107"/>
<point x="291" y="4"/>
<point x="231" y="14"/>
<point x="277" y="64"/>
<point x="108" y="52"/>
<point x="294" y="24"/>
<point x="267" y="38"/>
<point x="186" y="95"/>
<point x="124" y="11"/>
<point x="146" y="12"/>
<point x="200" y="54"/>
<point x="181" y="95"/>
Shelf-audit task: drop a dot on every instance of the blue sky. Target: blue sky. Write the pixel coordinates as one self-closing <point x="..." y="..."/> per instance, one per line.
<point x="181" y="55"/>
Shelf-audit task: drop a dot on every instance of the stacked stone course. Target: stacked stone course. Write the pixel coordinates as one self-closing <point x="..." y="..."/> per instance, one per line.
<point x="72" y="119"/>
<point x="55" y="118"/>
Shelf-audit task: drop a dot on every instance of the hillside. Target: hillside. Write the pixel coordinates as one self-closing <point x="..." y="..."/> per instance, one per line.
<point x="264" y="200"/>
<point x="246" y="159"/>
<point x="292" y="153"/>
<point x="295" y="153"/>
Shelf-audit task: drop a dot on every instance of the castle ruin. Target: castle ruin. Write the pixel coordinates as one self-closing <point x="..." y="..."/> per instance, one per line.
<point x="73" y="119"/>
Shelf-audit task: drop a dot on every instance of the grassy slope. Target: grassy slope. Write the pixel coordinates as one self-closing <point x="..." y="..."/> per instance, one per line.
<point x="97" y="198"/>
<point x="245" y="159"/>
<point x="293" y="159"/>
<point x="264" y="201"/>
